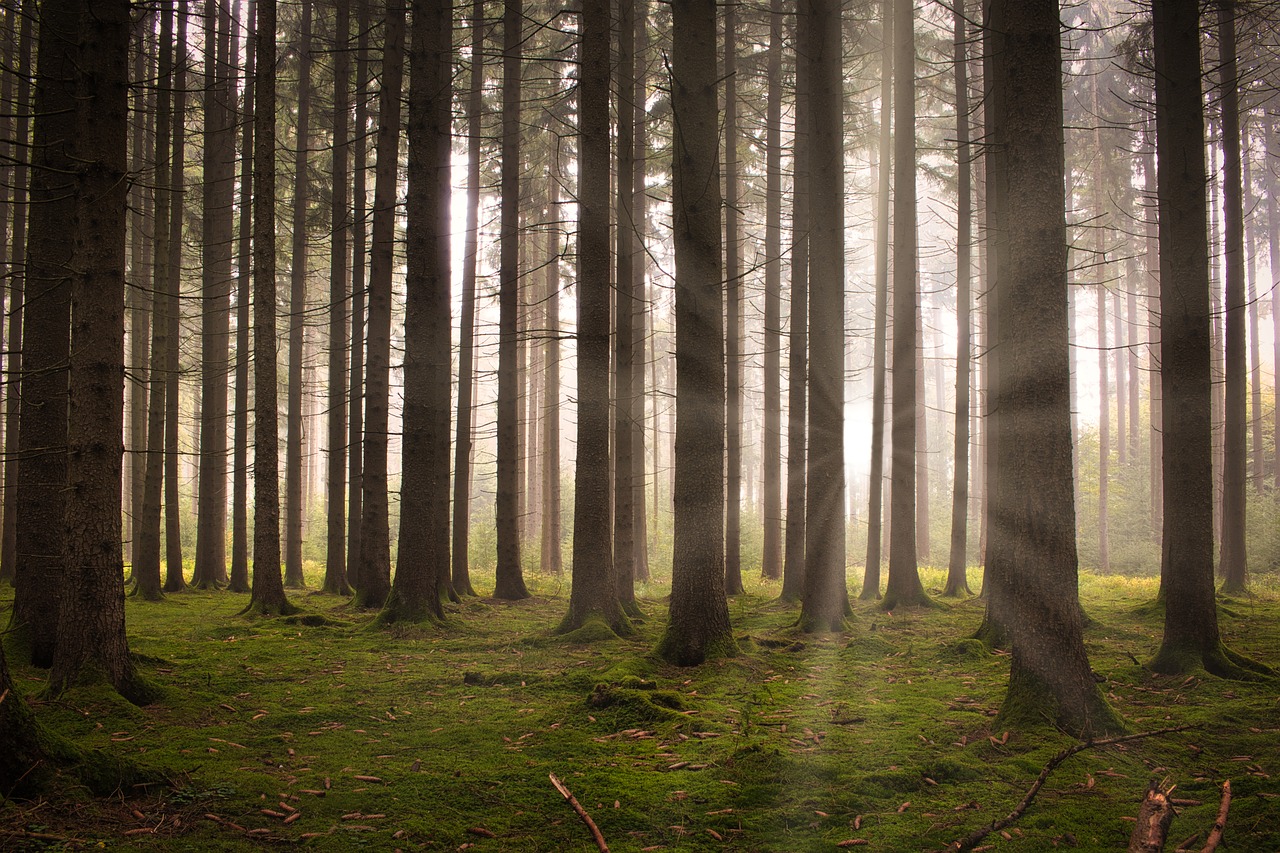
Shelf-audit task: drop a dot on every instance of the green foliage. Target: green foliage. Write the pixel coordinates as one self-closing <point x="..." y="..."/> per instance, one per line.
<point x="781" y="747"/>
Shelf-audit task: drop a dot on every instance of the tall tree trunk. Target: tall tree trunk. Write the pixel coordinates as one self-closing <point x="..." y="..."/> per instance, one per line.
<point x="422" y="574"/>
<point x="624" y="552"/>
<point x="1273" y="240"/>
<point x="1122" y="390"/>
<point x="1104" y="384"/>
<point x="957" y="579"/>
<point x="293" y="494"/>
<point x="215" y="317"/>
<point x="1234" y="560"/>
<point x="1248" y="202"/>
<point x="1033" y="561"/>
<point x="641" y="327"/>
<point x="1191" y="636"/>
<point x="175" y="580"/>
<point x="268" y="597"/>
<point x="335" y="563"/>
<point x="91" y="642"/>
<point x="825" y="600"/>
<point x="798" y="338"/>
<point x="699" y="614"/>
<point x="1152" y="263"/>
<point x="17" y="287"/>
<point x="871" y="574"/>
<point x="141" y="213"/>
<point x="375" y="546"/>
<point x="595" y="591"/>
<point x="904" y="587"/>
<point x="551" y="526"/>
<point x="771" y="487"/>
<point x="42" y="429"/>
<point x="240" y="459"/>
<point x="355" y="450"/>
<point x="510" y="577"/>
<point x="146" y="561"/>
<point x="461" y="572"/>
<point x="733" y="331"/>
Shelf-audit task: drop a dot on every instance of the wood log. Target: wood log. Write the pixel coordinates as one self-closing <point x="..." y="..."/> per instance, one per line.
<point x="1154" y="818"/>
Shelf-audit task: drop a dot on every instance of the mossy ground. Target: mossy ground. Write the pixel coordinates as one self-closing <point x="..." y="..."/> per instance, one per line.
<point x="786" y="746"/>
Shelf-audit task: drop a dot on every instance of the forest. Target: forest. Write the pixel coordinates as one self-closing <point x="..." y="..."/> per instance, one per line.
<point x="764" y="426"/>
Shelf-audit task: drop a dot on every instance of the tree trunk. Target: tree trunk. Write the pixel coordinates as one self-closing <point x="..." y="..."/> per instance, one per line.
<point x="1234" y="559"/>
<point x="699" y="614"/>
<point x="42" y="430"/>
<point x="825" y="600"/>
<point x="798" y="337"/>
<point x="141" y="214"/>
<point x="875" y="484"/>
<point x="624" y="550"/>
<point x="355" y="403"/>
<point x="641" y="327"/>
<point x="771" y="487"/>
<point x="240" y="460"/>
<point x="175" y="580"/>
<point x="461" y="573"/>
<point x="293" y="489"/>
<point x="510" y="577"/>
<point x="594" y="595"/>
<point x="733" y="331"/>
<point x="335" y="563"/>
<point x="551" y="526"/>
<point x="268" y="596"/>
<point x="904" y="587"/>
<point x="1104" y="384"/>
<point x="1033" y="561"/>
<point x="1249" y="202"/>
<point x="217" y="206"/>
<point x="375" y="547"/>
<point x="957" y="579"/>
<point x="1155" y="401"/>
<point x="91" y="644"/>
<point x="1273" y="240"/>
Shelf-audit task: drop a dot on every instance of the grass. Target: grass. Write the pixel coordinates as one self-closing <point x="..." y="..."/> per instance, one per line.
<point x="426" y="738"/>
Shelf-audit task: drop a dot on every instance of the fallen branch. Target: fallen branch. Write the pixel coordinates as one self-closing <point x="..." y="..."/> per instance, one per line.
<point x="582" y="813"/>
<point x="1215" y="834"/>
<point x="972" y="839"/>
<point x="1154" y="818"/>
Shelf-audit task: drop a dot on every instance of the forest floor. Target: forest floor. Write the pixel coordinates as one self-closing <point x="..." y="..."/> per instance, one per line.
<point x="319" y="731"/>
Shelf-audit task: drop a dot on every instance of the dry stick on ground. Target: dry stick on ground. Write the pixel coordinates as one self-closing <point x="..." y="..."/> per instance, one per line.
<point x="971" y="840"/>
<point x="1154" y="818"/>
<point x="582" y="813"/>
<point x="1215" y="834"/>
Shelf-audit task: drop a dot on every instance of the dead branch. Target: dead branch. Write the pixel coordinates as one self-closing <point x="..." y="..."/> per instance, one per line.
<point x="1215" y="834"/>
<point x="972" y="839"/>
<point x="582" y="813"/>
<point x="1154" y="818"/>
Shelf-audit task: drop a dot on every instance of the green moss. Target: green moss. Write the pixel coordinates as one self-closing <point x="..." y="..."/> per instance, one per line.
<point x="969" y="648"/>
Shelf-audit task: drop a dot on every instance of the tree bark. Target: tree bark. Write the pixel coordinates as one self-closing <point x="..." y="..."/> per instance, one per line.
<point x="355" y="405"/>
<point x="624" y="516"/>
<point x="641" y="327"/>
<point x="733" y="331"/>
<point x="552" y="531"/>
<point x="375" y="547"/>
<point x="510" y="576"/>
<point x="1104" y="353"/>
<point x="771" y="487"/>
<point x="699" y="614"/>
<point x="239" y="581"/>
<point x="825" y="600"/>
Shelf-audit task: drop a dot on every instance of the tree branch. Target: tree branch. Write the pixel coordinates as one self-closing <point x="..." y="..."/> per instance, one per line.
<point x="582" y="813"/>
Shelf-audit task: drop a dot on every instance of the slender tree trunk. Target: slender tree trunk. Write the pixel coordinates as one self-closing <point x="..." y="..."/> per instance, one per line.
<point x="1122" y="389"/>
<point x="699" y="614"/>
<point x="42" y="430"/>
<point x="1273" y="240"/>
<point x="215" y="318"/>
<point x="551" y="526"/>
<point x="793" y="560"/>
<point x="297" y="316"/>
<point x="335" y="564"/>
<point x="240" y="461"/>
<point x="510" y="578"/>
<point x="733" y="332"/>
<point x="17" y="287"/>
<point x="422" y="573"/>
<point x="1191" y="636"/>
<point x="871" y="574"/>
<point x="1234" y="560"/>
<point x="1034" y="561"/>
<point x="771" y="487"/>
<point x="595" y="591"/>
<point x="375" y="547"/>
<point x="141" y="213"/>
<point x="904" y="587"/>
<point x="91" y="643"/>
<point x="355" y="450"/>
<point x="461" y="572"/>
<point x="1248" y="202"/>
<point x="268" y="597"/>
<point x="641" y="327"/>
<point x="175" y="580"/>
<point x="957" y="579"/>
<point x="1104" y="384"/>
<point x="624" y="516"/>
<point x="825" y="600"/>
<point x="1152" y="263"/>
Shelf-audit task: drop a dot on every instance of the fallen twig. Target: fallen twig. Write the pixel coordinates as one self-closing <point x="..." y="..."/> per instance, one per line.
<point x="971" y="840"/>
<point x="1215" y="834"/>
<point x="582" y="813"/>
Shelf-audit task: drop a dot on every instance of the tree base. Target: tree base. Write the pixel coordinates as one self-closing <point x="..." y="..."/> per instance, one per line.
<point x="694" y="651"/>
<point x="920" y="599"/>
<point x="593" y="626"/>
<point x="1030" y="703"/>
<point x="1174" y="659"/>
<point x="269" y="608"/>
